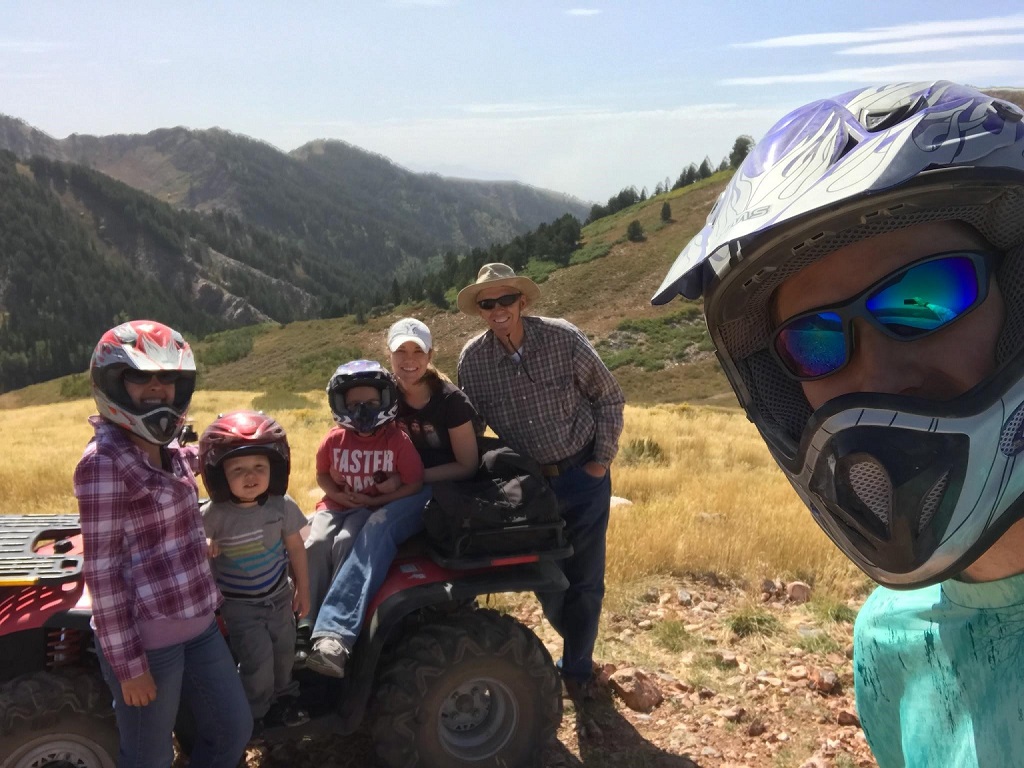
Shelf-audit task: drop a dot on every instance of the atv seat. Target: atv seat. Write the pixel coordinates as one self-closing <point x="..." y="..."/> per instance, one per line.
<point x="507" y="545"/>
<point x="22" y="565"/>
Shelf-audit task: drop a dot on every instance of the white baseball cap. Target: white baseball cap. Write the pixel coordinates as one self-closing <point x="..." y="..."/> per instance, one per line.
<point x="409" y="329"/>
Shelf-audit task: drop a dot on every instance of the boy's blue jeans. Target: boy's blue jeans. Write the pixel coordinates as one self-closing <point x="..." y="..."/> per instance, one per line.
<point x="359" y="577"/>
<point x="202" y="672"/>
<point x="575" y="613"/>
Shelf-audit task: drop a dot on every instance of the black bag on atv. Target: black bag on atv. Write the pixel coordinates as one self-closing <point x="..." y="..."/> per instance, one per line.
<point x="507" y="508"/>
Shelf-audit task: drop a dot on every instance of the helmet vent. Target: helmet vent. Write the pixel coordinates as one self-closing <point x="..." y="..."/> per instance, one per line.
<point x="932" y="500"/>
<point x="871" y="485"/>
<point x="1011" y="284"/>
<point x="1010" y="443"/>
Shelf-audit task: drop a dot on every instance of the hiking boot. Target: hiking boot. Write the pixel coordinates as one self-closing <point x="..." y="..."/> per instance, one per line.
<point x="328" y="657"/>
<point x="581" y="691"/>
<point x="285" y="711"/>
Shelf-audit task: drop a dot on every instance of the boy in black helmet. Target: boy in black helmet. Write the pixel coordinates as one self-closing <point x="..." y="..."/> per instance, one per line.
<point x="862" y="283"/>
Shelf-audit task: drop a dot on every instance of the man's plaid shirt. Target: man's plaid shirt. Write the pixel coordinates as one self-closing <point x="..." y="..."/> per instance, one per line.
<point x="551" y="403"/>
<point x="145" y="549"/>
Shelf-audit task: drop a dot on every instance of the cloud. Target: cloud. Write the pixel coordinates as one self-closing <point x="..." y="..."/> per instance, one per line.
<point x="930" y="45"/>
<point x="513" y="108"/>
<point x="983" y="71"/>
<point x="30" y="46"/>
<point x="588" y="152"/>
<point x="906" y="31"/>
<point x="583" y="12"/>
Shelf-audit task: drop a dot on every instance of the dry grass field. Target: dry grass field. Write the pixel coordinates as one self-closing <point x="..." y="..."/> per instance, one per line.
<point x="706" y="496"/>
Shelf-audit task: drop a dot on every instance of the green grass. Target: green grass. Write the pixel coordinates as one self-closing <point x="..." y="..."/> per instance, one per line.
<point x="228" y="346"/>
<point x="673" y="637"/>
<point x="657" y="342"/>
<point x="819" y="643"/>
<point x="644" y="450"/>
<point x="75" y="386"/>
<point x="753" y="621"/>
<point x="594" y="249"/>
<point x="827" y="608"/>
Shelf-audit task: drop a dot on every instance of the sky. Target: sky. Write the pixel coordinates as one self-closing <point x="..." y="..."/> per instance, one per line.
<point x="580" y="97"/>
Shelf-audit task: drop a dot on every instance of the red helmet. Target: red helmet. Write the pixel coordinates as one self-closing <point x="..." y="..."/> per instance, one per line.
<point x="242" y="433"/>
<point x="147" y="346"/>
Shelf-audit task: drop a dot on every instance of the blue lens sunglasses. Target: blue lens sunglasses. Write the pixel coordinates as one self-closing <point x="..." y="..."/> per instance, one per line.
<point x="908" y="304"/>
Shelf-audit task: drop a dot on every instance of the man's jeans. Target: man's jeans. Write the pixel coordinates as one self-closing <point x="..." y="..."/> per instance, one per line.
<point x="202" y="673"/>
<point x="360" y="576"/>
<point x="575" y="613"/>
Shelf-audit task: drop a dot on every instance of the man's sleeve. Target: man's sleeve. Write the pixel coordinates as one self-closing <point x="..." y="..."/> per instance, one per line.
<point x="102" y="501"/>
<point x="606" y="398"/>
<point x="469" y="387"/>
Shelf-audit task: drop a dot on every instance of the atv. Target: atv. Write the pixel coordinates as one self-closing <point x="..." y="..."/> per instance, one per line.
<point x="439" y="681"/>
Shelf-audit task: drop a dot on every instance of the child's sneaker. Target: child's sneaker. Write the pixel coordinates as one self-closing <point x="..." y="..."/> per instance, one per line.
<point x="285" y="711"/>
<point x="328" y="657"/>
<point x="302" y="645"/>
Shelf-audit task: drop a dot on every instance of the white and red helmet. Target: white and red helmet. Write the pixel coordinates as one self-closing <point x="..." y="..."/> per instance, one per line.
<point x="243" y="433"/>
<point x="142" y="345"/>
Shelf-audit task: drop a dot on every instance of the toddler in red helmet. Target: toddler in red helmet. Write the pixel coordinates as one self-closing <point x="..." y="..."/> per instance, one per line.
<point x="254" y="536"/>
<point x="153" y="594"/>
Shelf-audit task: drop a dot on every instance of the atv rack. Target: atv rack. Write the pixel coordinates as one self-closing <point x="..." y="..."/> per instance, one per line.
<point x="21" y="565"/>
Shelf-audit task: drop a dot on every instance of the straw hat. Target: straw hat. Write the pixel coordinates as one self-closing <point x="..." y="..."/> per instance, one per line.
<point x="491" y="275"/>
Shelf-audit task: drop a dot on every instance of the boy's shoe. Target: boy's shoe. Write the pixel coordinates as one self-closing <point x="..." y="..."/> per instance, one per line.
<point x="328" y="657"/>
<point x="285" y="711"/>
<point x="302" y="645"/>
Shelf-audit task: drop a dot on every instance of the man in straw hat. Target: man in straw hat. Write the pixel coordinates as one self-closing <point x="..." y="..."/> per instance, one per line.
<point x="541" y="386"/>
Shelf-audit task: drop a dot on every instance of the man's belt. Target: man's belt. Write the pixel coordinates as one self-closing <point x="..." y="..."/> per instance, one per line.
<point x="561" y="467"/>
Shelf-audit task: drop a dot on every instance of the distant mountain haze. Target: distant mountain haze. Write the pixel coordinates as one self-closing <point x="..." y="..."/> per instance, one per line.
<point x="209" y="230"/>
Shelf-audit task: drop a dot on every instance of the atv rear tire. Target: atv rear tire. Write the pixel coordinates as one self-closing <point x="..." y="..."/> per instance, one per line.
<point x="57" y="720"/>
<point x="471" y="689"/>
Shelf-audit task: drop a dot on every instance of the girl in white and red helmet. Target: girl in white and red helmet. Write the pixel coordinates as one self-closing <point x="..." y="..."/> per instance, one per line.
<point x="863" y="282"/>
<point x="153" y="594"/>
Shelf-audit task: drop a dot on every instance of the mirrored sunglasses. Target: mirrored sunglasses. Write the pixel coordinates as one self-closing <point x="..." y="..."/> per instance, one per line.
<point x="908" y="304"/>
<point x="135" y="376"/>
<point x="506" y="301"/>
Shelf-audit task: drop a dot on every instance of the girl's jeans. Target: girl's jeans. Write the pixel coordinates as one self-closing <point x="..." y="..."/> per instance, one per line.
<point x="202" y="673"/>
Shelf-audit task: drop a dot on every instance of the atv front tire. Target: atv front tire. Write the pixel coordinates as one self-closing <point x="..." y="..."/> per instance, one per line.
<point x="57" y="719"/>
<point x="471" y="689"/>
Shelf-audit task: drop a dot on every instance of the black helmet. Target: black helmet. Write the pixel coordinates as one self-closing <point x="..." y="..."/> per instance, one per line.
<point x="363" y="373"/>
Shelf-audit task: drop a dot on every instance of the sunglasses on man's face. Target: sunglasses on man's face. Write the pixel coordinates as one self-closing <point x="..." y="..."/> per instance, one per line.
<point x="908" y="304"/>
<point x="506" y="301"/>
<point x="135" y="376"/>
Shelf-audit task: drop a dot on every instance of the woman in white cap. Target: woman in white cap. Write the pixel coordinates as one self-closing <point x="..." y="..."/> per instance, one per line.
<point x="437" y="415"/>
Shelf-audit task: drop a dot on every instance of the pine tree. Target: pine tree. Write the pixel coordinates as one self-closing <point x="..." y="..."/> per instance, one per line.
<point x="666" y="211"/>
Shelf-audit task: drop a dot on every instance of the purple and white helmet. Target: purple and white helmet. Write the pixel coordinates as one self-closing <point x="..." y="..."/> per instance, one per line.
<point x="912" y="491"/>
<point x="363" y="373"/>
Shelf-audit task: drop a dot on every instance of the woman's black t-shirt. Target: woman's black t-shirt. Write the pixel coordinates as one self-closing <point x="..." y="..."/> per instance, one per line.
<point x="428" y="426"/>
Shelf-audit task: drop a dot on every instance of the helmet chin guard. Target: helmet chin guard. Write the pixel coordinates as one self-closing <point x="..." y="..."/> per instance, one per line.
<point x="898" y="483"/>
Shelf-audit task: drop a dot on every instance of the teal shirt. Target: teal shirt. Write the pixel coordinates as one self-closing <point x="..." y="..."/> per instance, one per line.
<point x="939" y="675"/>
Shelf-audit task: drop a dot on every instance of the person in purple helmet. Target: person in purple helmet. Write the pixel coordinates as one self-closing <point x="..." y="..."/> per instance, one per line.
<point x="862" y="282"/>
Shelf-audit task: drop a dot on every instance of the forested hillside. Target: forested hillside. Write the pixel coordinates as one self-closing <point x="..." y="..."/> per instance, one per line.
<point x="337" y="199"/>
<point x="79" y="251"/>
